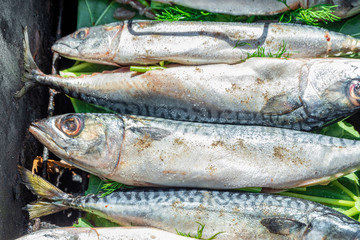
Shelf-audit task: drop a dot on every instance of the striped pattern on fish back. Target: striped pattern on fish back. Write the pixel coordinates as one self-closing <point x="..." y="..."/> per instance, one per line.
<point x="157" y="203"/>
<point x="224" y="131"/>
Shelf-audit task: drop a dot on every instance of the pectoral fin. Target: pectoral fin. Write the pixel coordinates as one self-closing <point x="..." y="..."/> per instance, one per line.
<point x="280" y="104"/>
<point x="283" y="226"/>
<point x="152" y="132"/>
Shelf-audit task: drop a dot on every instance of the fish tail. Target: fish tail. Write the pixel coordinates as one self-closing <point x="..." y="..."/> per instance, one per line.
<point x="31" y="69"/>
<point x="43" y="208"/>
<point x="45" y="190"/>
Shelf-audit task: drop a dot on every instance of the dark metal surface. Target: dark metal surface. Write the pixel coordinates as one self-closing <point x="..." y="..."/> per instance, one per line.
<point x="16" y="144"/>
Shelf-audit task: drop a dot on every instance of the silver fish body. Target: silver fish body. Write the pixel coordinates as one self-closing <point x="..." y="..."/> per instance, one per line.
<point x="344" y="9"/>
<point x="157" y="152"/>
<point x="302" y="94"/>
<point x="236" y="215"/>
<point x="194" y="43"/>
<point x="106" y="233"/>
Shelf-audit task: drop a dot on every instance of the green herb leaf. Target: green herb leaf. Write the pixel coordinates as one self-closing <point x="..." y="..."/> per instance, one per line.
<point x="199" y="233"/>
<point x="340" y="129"/>
<point x="95" y="12"/>
<point x="180" y="13"/>
<point x="94" y="186"/>
<point x="82" y="222"/>
<point x="111" y="186"/>
<point x="262" y="52"/>
<point x="316" y="15"/>
<point x="83" y="107"/>
<point x="351" y="27"/>
<point x="99" y="221"/>
<point x="145" y="69"/>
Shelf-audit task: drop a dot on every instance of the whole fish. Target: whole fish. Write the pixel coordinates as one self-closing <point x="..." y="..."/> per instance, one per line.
<point x="301" y="94"/>
<point x="193" y="43"/>
<point x="157" y="152"/>
<point x="235" y="215"/>
<point x="105" y="233"/>
<point x="344" y="8"/>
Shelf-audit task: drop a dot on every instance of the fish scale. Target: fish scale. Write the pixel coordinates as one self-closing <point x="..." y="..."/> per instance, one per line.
<point x="237" y="215"/>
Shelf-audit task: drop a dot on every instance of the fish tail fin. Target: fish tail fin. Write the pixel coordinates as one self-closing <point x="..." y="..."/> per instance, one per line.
<point x="31" y="69"/>
<point x="43" y="208"/>
<point x="45" y="190"/>
<point x="29" y="62"/>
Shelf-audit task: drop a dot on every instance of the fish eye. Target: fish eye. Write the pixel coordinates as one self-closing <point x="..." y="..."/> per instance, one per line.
<point x="354" y="92"/>
<point x="81" y="34"/>
<point x="71" y="125"/>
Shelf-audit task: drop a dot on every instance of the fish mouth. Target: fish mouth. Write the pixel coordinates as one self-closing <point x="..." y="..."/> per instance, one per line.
<point x="65" y="50"/>
<point x="36" y="129"/>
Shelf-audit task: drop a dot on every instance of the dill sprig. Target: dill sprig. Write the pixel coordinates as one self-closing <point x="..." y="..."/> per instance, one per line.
<point x="199" y="233"/>
<point x="111" y="186"/>
<point x="173" y="14"/>
<point x="181" y="13"/>
<point x="261" y="52"/>
<point x="145" y="68"/>
<point x="315" y="16"/>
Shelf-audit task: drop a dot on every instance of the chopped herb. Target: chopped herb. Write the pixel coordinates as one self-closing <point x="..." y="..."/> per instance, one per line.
<point x="111" y="186"/>
<point x="261" y="52"/>
<point x="313" y="16"/>
<point x="180" y="13"/>
<point x="145" y="69"/>
<point x="82" y="222"/>
<point x="321" y="13"/>
<point x="199" y="233"/>
<point x="316" y="15"/>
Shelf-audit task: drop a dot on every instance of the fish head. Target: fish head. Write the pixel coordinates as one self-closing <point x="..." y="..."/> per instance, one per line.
<point x="319" y="225"/>
<point x="332" y="226"/>
<point x="331" y="89"/>
<point x="346" y="8"/>
<point x="91" y="142"/>
<point x="354" y="7"/>
<point x="95" y="44"/>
